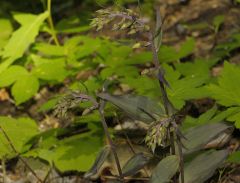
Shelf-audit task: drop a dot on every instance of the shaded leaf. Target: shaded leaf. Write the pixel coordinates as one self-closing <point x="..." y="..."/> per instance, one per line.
<point x="165" y="170"/>
<point x="218" y="21"/>
<point x="198" y="137"/>
<point x="137" y="107"/>
<point x="102" y="156"/>
<point x="203" y="166"/>
<point x="234" y="157"/>
<point x="133" y="165"/>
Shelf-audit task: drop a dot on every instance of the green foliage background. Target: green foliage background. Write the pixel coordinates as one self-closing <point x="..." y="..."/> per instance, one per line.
<point x="30" y="61"/>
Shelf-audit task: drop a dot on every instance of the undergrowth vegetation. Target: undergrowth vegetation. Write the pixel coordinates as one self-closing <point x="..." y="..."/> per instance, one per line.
<point x="101" y="75"/>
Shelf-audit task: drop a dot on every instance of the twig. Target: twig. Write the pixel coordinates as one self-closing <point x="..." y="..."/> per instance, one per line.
<point x="47" y="175"/>
<point x="50" y="22"/>
<point x="18" y="154"/>
<point x="129" y="142"/>
<point x="179" y="145"/>
<point x="105" y="127"/>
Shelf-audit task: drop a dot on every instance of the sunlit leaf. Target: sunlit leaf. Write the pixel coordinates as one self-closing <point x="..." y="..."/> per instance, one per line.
<point x="24" y="88"/>
<point x="12" y="74"/>
<point x="49" y="69"/>
<point x="22" y="38"/>
<point x="5" y="31"/>
<point x="48" y="49"/>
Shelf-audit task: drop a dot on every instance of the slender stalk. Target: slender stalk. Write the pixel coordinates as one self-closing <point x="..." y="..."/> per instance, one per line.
<point x="105" y="127"/>
<point x="181" y="159"/>
<point x="50" y="22"/>
<point x="18" y="154"/>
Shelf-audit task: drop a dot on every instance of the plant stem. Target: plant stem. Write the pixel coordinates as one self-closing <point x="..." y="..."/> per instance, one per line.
<point x="181" y="159"/>
<point x="50" y="22"/>
<point x="105" y="127"/>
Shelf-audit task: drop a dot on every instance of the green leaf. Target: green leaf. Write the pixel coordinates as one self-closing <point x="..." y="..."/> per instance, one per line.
<point x="134" y="164"/>
<point x="70" y="154"/>
<point x="19" y="131"/>
<point x="186" y="48"/>
<point x="202" y="119"/>
<point x="5" y="31"/>
<point x="227" y="91"/>
<point x="235" y="118"/>
<point x="203" y="166"/>
<point x="11" y="75"/>
<point x="71" y="25"/>
<point x="22" y="38"/>
<point x="74" y="153"/>
<point x="140" y="58"/>
<point x="221" y="115"/>
<point x="119" y="71"/>
<point x="150" y="87"/>
<point x="24" y="88"/>
<point x="49" y="69"/>
<point x="234" y="157"/>
<point x="50" y="104"/>
<point x="169" y="54"/>
<point x="165" y="170"/>
<point x="186" y="88"/>
<point x="218" y="21"/>
<point x="48" y="49"/>
<point x="198" y="67"/>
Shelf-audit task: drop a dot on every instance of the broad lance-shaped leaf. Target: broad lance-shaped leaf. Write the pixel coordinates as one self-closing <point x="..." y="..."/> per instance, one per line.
<point x="134" y="164"/>
<point x="138" y="107"/>
<point x="22" y="37"/>
<point x="196" y="138"/>
<point x="203" y="166"/>
<point x="165" y="170"/>
<point x="102" y="156"/>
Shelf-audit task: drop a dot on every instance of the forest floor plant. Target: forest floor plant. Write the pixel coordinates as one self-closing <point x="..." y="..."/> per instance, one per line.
<point x="162" y="131"/>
